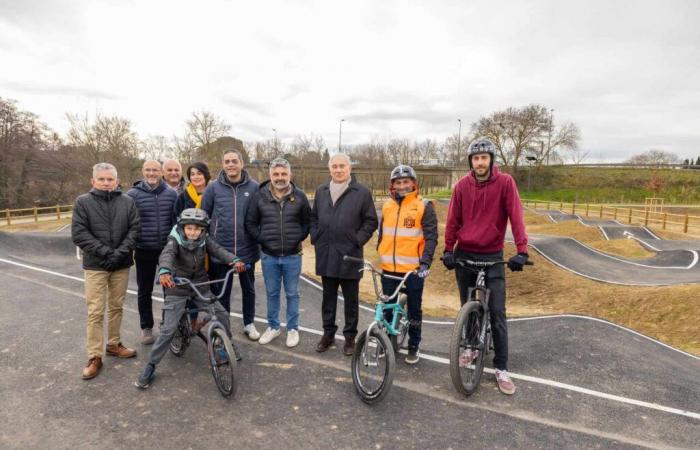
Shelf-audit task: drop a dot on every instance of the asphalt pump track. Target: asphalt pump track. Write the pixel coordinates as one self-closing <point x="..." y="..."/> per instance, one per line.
<point x="582" y="382"/>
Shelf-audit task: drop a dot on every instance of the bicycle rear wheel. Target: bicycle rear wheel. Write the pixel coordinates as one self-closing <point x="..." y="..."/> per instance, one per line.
<point x="223" y="363"/>
<point x="467" y="352"/>
<point x="181" y="338"/>
<point x="373" y="366"/>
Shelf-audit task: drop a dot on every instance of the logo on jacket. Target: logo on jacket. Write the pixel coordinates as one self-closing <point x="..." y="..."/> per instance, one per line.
<point x="247" y="194"/>
<point x="409" y="222"/>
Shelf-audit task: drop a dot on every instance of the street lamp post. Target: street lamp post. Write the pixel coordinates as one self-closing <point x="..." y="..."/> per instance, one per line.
<point x="459" y="139"/>
<point x="275" y="143"/>
<point x="549" y="136"/>
<point x="340" y="136"/>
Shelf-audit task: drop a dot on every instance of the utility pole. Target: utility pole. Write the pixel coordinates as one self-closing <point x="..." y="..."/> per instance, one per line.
<point x="459" y="141"/>
<point x="275" y="143"/>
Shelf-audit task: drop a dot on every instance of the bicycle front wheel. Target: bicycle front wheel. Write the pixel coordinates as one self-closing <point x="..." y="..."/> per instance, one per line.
<point x="223" y="363"/>
<point x="181" y="338"/>
<point x="467" y="352"/>
<point x="373" y="366"/>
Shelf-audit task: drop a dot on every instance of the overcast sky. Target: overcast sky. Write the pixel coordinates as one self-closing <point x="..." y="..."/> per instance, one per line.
<point x="627" y="72"/>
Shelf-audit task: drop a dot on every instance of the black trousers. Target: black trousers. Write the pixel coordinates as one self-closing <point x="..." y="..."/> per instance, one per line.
<point x="146" y="264"/>
<point x="496" y="282"/>
<point x="351" y="294"/>
<point x="414" y="292"/>
<point x="247" y="282"/>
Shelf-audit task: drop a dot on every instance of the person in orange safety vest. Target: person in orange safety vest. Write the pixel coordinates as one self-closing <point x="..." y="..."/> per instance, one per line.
<point x="408" y="235"/>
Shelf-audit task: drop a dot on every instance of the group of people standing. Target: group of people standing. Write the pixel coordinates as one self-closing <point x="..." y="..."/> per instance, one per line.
<point x="268" y="222"/>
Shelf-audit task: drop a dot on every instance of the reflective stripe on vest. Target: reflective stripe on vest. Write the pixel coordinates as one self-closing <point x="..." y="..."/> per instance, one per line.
<point x="402" y="234"/>
<point x="409" y="232"/>
<point x="414" y="261"/>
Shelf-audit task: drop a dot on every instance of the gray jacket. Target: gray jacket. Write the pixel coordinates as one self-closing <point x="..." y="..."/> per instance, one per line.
<point x="179" y="261"/>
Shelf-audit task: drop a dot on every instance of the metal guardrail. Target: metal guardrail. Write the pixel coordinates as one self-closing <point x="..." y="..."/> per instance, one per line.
<point x="686" y="223"/>
<point x="8" y="215"/>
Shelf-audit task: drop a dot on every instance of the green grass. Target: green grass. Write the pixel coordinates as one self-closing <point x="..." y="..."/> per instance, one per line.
<point x="606" y="185"/>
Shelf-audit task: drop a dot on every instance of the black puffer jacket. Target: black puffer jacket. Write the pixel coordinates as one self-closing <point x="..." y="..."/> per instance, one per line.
<point x="155" y="207"/>
<point x="341" y="229"/>
<point x="278" y="226"/>
<point x="179" y="261"/>
<point x="105" y="226"/>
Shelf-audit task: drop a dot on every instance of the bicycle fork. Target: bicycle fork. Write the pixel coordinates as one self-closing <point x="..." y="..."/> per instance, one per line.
<point x="365" y="349"/>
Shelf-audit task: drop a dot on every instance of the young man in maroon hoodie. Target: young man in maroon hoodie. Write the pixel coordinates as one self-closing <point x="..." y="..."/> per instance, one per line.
<point x="481" y="205"/>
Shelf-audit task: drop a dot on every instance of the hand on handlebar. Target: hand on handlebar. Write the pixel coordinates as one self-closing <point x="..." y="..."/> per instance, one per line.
<point x="516" y="263"/>
<point x="238" y="265"/>
<point x="423" y="271"/>
<point x="448" y="259"/>
<point x="166" y="280"/>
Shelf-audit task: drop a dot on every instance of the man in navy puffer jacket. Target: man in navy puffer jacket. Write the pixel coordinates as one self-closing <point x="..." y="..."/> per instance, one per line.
<point x="226" y="201"/>
<point x="155" y="201"/>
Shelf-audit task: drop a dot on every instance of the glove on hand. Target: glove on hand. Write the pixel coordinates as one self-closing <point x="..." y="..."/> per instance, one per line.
<point x="448" y="259"/>
<point x="517" y="262"/>
<point x="423" y="271"/>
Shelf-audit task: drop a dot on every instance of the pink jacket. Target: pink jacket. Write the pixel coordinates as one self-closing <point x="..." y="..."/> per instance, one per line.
<point x="479" y="213"/>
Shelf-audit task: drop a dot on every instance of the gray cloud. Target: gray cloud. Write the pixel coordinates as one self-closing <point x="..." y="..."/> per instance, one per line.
<point x="245" y="105"/>
<point x="44" y="89"/>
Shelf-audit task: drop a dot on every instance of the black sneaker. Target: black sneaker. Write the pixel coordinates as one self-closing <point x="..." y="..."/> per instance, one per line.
<point x="412" y="357"/>
<point x="146" y="378"/>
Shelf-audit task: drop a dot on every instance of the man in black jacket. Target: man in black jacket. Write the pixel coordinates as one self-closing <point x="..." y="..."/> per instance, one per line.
<point x="155" y="202"/>
<point x="278" y="219"/>
<point x="105" y="226"/>
<point x="342" y="221"/>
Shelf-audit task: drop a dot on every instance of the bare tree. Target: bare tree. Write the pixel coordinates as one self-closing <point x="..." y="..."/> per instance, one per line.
<point x="529" y="130"/>
<point x="202" y="132"/>
<point x="578" y="156"/>
<point x="107" y="138"/>
<point x="156" y="147"/>
<point x="654" y="158"/>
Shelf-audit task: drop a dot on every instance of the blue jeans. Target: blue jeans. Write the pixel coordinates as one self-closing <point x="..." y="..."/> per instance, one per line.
<point x="278" y="269"/>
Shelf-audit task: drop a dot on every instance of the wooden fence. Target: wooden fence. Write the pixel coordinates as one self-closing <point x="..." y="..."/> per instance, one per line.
<point x="648" y="217"/>
<point x="40" y="212"/>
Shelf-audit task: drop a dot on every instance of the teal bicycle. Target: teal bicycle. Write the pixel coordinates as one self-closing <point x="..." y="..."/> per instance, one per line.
<point x="374" y="358"/>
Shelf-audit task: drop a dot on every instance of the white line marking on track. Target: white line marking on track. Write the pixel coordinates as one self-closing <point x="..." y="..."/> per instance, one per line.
<point x="441" y="360"/>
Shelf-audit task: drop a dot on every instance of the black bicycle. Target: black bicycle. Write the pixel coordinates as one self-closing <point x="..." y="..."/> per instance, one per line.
<point x="471" y="335"/>
<point x="223" y="355"/>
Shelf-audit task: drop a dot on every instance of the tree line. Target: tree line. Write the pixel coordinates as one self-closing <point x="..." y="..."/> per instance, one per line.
<point x="39" y="167"/>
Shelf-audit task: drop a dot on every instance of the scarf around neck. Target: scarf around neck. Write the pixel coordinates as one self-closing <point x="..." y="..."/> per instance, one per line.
<point x="196" y="198"/>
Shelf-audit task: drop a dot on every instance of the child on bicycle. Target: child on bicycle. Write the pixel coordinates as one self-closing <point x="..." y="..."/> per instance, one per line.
<point x="408" y="234"/>
<point x="183" y="256"/>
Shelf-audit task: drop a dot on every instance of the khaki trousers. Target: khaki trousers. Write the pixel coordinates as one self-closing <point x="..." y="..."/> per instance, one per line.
<point x="104" y="289"/>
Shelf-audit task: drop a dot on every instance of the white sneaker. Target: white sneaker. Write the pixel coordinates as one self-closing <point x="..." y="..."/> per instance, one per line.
<point x="251" y="332"/>
<point x="268" y="335"/>
<point x="292" y="338"/>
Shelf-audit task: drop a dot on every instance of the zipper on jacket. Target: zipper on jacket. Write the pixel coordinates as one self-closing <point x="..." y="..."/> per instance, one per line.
<point x="157" y="220"/>
<point x="235" y="220"/>
<point x="282" y="225"/>
<point x="396" y="230"/>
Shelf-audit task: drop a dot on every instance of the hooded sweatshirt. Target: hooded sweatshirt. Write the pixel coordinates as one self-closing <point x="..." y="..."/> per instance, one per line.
<point x="479" y="213"/>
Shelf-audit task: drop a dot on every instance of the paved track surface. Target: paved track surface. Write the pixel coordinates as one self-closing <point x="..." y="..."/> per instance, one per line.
<point x="582" y="383"/>
<point x="675" y="262"/>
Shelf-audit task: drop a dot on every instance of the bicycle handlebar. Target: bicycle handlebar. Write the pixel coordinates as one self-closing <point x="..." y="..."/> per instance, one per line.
<point x="485" y="264"/>
<point x="181" y="281"/>
<point x="368" y="266"/>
